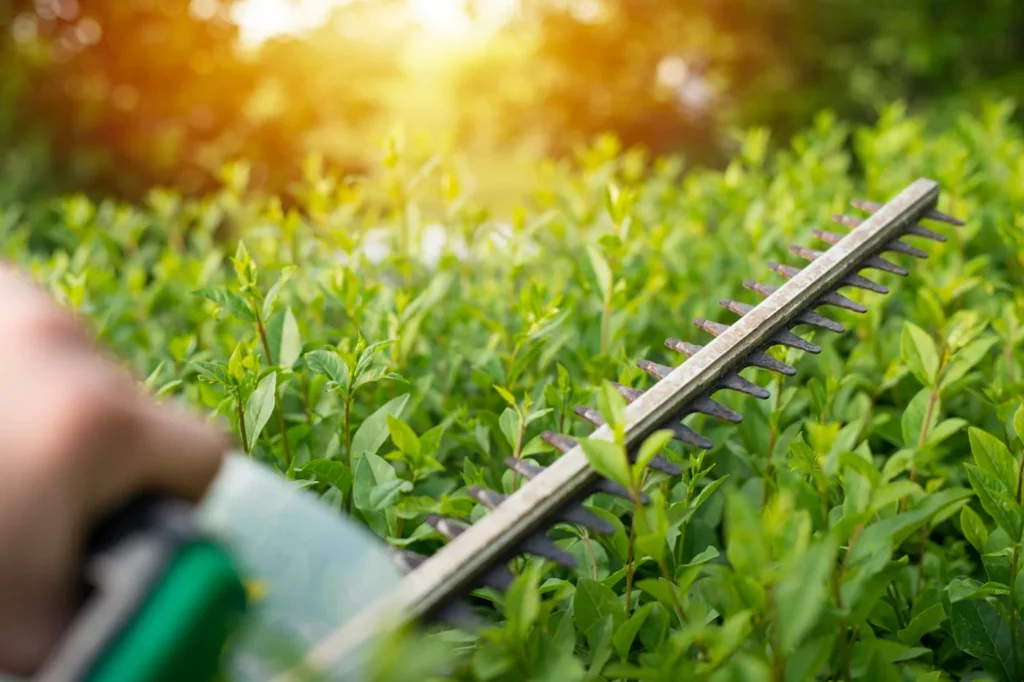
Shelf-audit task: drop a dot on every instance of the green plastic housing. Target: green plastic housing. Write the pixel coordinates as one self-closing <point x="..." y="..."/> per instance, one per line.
<point x="182" y="629"/>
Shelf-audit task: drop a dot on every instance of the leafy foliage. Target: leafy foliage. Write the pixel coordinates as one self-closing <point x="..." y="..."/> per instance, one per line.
<point x="863" y="523"/>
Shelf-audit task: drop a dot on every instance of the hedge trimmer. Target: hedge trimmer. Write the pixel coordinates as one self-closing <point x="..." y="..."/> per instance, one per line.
<point x="166" y="593"/>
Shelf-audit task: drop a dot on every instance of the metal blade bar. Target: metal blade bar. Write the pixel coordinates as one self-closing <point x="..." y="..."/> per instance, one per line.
<point x="458" y="566"/>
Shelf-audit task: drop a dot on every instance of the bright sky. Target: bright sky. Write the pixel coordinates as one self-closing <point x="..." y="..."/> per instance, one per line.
<point x="263" y="19"/>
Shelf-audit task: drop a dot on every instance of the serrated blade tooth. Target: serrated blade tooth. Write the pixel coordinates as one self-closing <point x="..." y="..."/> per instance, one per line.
<point x="919" y="231"/>
<point x="735" y="382"/>
<point x="806" y="253"/>
<point x="838" y="300"/>
<point x="765" y="361"/>
<point x="791" y="340"/>
<point x="854" y="280"/>
<point x="879" y="263"/>
<point x="713" y="408"/>
<point x="577" y="513"/>
<point x="687" y="349"/>
<point x="787" y="271"/>
<point x="542" y="546"/>
<point x="530" y="470"/>
<point x="873" y="206"/>
<point x="654" y="369"/>
<point x="713" y="328"/>
<point x="914" y="229"/>
<point x="765" y="290"/>
<point x="827" y="237"/>
<point x="525" y="467"/>
<point x="732" y="306"/>
<point x="659" y="463"/>
<point x="876" y="262"/>
<point x="449" y="528"/>
<point x="680" y="431"/>
<point x="556" y="440"/>
<point x="896" y="246"/>
<point x="405" y="560"/>
<point x="847" y="220"/>
<point x="818" y="320"/>
<point x="833" y="299"/>
<point x="628" y="393"/>
<point x="862" y="282"/>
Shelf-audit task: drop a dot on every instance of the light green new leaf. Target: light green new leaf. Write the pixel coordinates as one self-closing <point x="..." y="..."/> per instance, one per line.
<point x="802" y="594"/>
<point x="259" y="407"/>
<point x="291" y="341"/>
<point x="612" y="406"/>
<point x="654" y="444"/>
<point x="385" y="495"/>
<point x="522" y="605"/>
<point x="917" y="349"/>
<point x="1018" y="422"/>
<point x="372" y="433"/>
<point x="745" y="540"/>
<point x="403" y="437"/>
<point x="602" y="272"/>
<point x="608" y="459"/>
<point x="511" y="426"/>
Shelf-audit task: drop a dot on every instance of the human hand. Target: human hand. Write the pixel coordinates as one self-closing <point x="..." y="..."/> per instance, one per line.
<point x="78" y="439"/>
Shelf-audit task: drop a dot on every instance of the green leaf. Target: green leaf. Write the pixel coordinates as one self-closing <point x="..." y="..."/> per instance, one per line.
<point x="328" y="364"/>
<point x="745" y="539"/>
<point x="602" y="272"/>
<point x="291" y="341"/>
<point x="592" y="603"/>
<point x="802" y="594"/>
<point x="1018" y="422"/>
<point x="370" y="471"/>
<point x="228" y="300"/>
<point x="259" y="407"/>
<point x="974" y="528"/>
<point x="372" y="433"/>
<point x="920" y="417"/>
<point x="654" y="444"/>
<point x="386" y="494"/>
<point x="995" y="500"/>
<point x="511" y="426"/>
<point x="506" y="396"/>
<point x="522" y="605"/>
<point x="917" y="349"/>
<point x="608" y="459"/>
<point x="928" y="620"/>
<point x="403" y="437"/>
<point x="330" y="471"/>
<point x="612" y="406"/>
<point x="994" y="457"/>
<point x="981" y="631"/>
<point x="626" y="633"/>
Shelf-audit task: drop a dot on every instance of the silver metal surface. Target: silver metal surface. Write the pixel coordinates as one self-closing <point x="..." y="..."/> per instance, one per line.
<point x="459" y="565"/>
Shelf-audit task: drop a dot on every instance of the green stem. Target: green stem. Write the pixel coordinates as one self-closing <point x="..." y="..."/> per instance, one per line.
<point x="241" y="426"/>
<point x="1014" y="616"/>
<point x="637" y="510"/>
<point x="270" y="363"/>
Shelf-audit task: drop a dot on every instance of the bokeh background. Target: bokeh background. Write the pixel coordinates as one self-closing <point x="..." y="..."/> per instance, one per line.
<point x="114" y="97"/>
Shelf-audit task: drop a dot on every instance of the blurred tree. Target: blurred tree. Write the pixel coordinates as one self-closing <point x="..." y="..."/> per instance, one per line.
<point x="117" y="97"/>
<point x="673" y="75"/>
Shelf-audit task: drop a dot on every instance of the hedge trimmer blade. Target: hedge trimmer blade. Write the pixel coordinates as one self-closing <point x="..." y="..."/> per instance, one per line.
<point x="517" y="524"/>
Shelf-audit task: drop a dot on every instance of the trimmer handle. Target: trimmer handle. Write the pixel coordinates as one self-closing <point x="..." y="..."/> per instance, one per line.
<point x="159" y="601"/>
